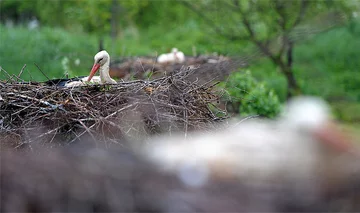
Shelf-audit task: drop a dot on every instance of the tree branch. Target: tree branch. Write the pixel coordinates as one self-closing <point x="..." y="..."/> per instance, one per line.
<point x="301" y="14"/>
<point x="286" y="43"/>
<point x="282" y="23"/>
<point x="290" y="55"/>
<point x="264" y="48"/>
<point x="210" y="22"/>
<point x="282" y="16"/>
<point x="233" y="7"/>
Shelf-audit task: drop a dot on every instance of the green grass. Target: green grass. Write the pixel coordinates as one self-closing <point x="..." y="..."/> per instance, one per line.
<point x="46" y="48"/>
<point x="327" y="65"/>
<point x="347" y="111"/>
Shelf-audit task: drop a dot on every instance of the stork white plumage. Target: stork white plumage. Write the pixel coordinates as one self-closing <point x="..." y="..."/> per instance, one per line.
<point x="296" y="147"/>
<point x="179" y="56"/>
<point x="163" y="58"/>
<point x="101" y="64"/>
<point x="175" y="56"/>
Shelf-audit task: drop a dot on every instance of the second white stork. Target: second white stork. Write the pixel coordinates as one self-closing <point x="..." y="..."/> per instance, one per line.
<point x="175" y="56"/>
<point x="101" y="64"/>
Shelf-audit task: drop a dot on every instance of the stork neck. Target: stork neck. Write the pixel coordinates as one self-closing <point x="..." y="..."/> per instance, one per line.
<point x="104" y="73"/>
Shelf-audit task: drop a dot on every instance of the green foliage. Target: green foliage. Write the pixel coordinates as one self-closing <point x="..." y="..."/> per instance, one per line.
<point x="96" y="16"/>
<point x="335" y="73"/>
<point x="347" y="111"/>
<point x="250" y="97"/>
<point x="266" y="18"/>
<point x="271" y="25"/>
<point x="93" y="16"/>
<point x="47" y="48"/>
<point x="326" y="65"/>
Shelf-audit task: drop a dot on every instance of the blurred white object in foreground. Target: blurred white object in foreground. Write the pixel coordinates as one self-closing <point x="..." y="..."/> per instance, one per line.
<point x="302" y="148"/>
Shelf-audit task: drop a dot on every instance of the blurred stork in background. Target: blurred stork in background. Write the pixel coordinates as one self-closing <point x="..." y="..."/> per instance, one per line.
<point x="175" y="56"/>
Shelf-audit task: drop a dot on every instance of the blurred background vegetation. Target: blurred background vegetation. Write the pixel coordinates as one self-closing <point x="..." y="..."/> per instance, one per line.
<point x="64" y="35"/>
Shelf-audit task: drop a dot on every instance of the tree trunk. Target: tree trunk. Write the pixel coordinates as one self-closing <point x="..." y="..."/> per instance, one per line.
<point x="115" y="11"/>
<point x="292" y="87"/>
<point x="101" y="44"/>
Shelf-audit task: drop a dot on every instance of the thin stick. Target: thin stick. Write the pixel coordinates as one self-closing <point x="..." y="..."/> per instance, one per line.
<point x="87" y="130"/>
<point x="42" y="71"/>
<point x="18" y="78"/>
<point x="35" y="99"/>
<point x="9" y="76"/>
<point x="247" y="118"/>
<point x="31" y="77"/>
<point x="78" y="136"/>
<point x="21" y="71"/>
<point x="117" y="111"/>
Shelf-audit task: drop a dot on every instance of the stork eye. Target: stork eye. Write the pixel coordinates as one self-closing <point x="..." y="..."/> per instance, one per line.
<point x="100" y="60"/>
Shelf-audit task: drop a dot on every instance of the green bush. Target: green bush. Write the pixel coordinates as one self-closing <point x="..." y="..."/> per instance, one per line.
<point x="247" y="96"/>
<point x="347" y="111"/>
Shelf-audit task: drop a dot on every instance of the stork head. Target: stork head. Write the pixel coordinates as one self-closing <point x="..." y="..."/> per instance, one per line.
<point x="307" y="113"/>
<point x="311" y="115"/>
<point x="100" y="59"/>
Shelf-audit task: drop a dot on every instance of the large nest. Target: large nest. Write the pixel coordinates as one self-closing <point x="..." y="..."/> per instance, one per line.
<point x="33" y="113"/>
<point x="146" y="67"/>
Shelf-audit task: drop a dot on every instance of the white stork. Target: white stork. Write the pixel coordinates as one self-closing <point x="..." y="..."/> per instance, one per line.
<point x="302" y="146"/>
<point x="101" y="62"/>
<point x="174" y="56"/>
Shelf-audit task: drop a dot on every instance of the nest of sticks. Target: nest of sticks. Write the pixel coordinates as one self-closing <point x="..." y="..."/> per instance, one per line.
<point x="35" y="114"/>
<point x="146" y="67"/>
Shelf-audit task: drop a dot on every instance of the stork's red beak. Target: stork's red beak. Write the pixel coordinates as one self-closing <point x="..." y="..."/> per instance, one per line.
<point x="331" y="135"/>
<point x="94" y="69"/>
